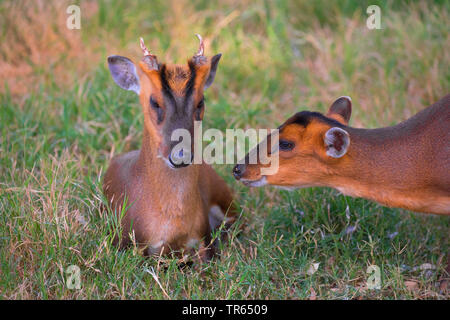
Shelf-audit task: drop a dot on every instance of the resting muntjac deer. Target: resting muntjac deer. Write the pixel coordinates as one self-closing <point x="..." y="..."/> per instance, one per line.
<point x="171" y="205"/>
<point x="405" y="166"/>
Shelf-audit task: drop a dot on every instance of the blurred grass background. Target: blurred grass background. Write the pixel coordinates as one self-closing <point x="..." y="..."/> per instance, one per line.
<point x="62" y="118"/>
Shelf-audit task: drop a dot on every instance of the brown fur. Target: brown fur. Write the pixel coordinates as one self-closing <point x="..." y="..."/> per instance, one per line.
<point x="167" y="209"/>
<point x="406" y="166"/>
<point x="177" y="77"/>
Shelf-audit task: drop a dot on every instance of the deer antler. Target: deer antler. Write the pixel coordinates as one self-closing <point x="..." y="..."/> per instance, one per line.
<point x="144" y="48"/>
<point x="201" y="48"/>
<point x="149" y="59"/>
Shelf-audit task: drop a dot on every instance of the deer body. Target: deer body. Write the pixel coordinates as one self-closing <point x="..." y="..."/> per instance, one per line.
<point x="167" y="208"/>
<point x="170" y="206"/>
<point x="406" y="165"/>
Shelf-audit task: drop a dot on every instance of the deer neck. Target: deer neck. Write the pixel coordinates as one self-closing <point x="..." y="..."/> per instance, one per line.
<point x="379" y="165"/>
<point x="155" y="170"/>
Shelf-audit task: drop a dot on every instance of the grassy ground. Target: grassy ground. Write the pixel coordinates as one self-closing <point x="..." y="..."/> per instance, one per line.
<point x="62" y="118"/>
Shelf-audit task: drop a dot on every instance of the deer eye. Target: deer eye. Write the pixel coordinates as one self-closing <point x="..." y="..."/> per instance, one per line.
<point x="154" y="104"/>
<point x="159" y="111"/>
<point x="201" y="103"/>
<point x="286" y="145"/>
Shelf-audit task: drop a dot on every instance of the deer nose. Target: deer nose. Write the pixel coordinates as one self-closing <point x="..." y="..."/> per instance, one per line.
<point x="238" y="170"/>
<point x="177" y="159"/>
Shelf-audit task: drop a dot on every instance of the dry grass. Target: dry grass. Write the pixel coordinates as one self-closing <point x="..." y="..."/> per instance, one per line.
<point x="37" y="48"/>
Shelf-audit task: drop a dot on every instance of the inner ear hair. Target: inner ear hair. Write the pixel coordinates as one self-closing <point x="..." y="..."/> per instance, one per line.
<point x="123" y="71"/>
<point x="337" y="141"/>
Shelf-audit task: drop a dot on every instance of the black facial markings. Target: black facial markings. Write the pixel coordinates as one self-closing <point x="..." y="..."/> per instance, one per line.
<point x="180" y="105"/>
<point x="199" y="108"/>
<point x="159" y="111"/>
<point x="189" y="89"/>
<point x="167" y="91"/>
<point x="304" y="118"/>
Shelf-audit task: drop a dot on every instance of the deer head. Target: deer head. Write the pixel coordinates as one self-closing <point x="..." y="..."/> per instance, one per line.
<point x="310" y="145"/>
<point x="171" y="97"/>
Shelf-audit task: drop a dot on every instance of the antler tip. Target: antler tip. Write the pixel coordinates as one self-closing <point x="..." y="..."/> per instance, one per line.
<point x="201" y="48"/>
<point x="143" y="47"/>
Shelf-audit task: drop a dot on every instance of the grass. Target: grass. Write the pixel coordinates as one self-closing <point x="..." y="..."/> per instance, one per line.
<point x="62" y="118"/>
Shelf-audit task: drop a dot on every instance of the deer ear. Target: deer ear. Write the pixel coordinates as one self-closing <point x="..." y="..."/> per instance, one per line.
<point x="341" y="109"/>
<point x="212" y="70"/>
<point x="123" y="71"/>
<point x="336" y="142"/>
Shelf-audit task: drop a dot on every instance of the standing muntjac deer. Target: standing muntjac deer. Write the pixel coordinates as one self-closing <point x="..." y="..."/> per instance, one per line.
<point x="171" y="205"/>
<point x="405" y="166"/>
